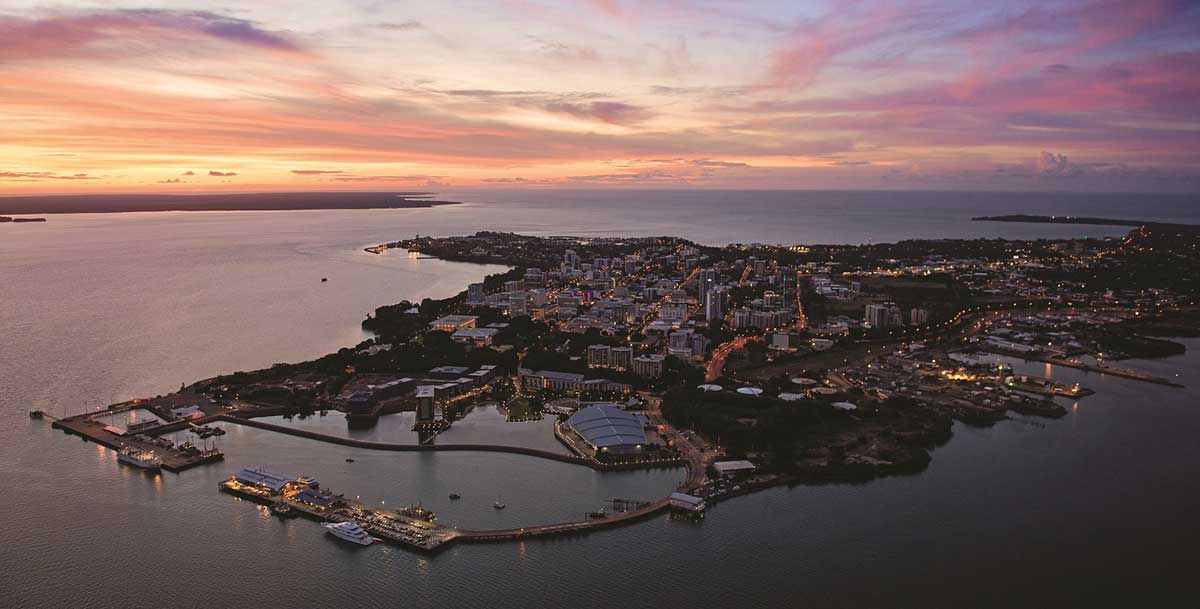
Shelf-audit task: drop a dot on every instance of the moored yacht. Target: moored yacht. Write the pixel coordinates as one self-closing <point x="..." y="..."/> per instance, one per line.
<point x="145" y="459"/>
<point x="350" y="531"/>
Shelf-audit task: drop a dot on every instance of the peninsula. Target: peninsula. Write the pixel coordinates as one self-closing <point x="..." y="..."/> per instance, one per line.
<point x="748" y="365"/>
<point x="91" y="204"/>
<point x="1035" y="219"/>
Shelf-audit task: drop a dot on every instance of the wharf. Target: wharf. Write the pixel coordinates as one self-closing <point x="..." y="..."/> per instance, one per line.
<point x="173" y="459"/>
<point x="386" y="525"/>
<point x="1102" y="368"/>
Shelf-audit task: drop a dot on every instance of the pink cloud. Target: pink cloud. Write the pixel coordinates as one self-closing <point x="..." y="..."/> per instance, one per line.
<point x="87" y="34"/>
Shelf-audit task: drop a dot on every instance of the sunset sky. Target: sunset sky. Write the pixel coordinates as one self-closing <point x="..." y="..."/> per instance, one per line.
<point x="191" y="96"/>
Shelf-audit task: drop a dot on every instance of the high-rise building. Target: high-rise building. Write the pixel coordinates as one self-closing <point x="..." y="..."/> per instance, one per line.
<point x="518" y="304"/>
<point x="699" y="346"/>
<point x="534" y="277"/>
<point x="714" y="304"/>
<point x="475" y="292"/>
<point x="742" y="318"/>
<point x="648" y="366"/>
<point x="883" y="315"/>
<point x="598" y="356"/>
<point x="708" y="281"/>
<point x="876" y="315"/>
<point x="571" y="259"/>
<point x="679" y="343"/>
<point x="621" y="358"/>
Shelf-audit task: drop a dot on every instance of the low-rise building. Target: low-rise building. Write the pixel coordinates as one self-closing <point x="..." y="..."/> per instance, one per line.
<point x="453" y="323"/>
<point x="475" y="337"/>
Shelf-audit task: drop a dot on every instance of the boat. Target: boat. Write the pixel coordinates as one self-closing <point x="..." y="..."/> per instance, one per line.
<point x="324" y="279"/>
<point x="455" y="496"/>
<point x="283" y="510"/>
<point x="498" y="504"/>
<point x="350" y="531"/>
<point x="418" y="512"/>
<point x="598" y="514"/>
<point x="35" y="414"/>
<point x="144" y="459"/>
<point x="348" y="460"/>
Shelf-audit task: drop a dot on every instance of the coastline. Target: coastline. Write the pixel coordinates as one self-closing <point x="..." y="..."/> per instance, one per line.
<point x="107" y="204"/>
<point x="1095" y="221"/>
<point x="910" y="446"/>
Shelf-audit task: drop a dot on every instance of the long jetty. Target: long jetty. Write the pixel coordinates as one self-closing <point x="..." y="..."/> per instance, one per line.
<point x="1125" y="373"/>
<point x="498" y="448"/>
<point x="564" y="528"/>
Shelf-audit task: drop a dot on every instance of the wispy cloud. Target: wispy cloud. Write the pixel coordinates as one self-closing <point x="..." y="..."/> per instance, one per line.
<point x="1079" y="93"/>
<point x="42" y="175"/>
<point x="107" y="33"/>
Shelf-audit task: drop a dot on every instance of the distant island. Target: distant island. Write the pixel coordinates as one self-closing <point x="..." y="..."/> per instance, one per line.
<point x="6" y="219"/>
<point x="1076" y="220"/>
<point x="280" y="201"/>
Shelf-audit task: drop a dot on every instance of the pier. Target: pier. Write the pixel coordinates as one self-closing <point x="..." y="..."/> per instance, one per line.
<point x="386" y="525"/>
<point x="174" y="459"/>
<point x="1101" y="367"/>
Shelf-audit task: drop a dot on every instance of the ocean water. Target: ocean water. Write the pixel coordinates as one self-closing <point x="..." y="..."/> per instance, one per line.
<point x="1095" y="509"/>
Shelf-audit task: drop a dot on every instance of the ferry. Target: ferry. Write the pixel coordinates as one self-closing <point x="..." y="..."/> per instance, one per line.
<point x="350" y="531"/>
<point x="144" y="459"/>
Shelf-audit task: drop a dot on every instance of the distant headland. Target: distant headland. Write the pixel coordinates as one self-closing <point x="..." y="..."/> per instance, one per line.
<point x="6" y="219"/>
<point x="275" y="201"/>
<point x="1076" y="220"/>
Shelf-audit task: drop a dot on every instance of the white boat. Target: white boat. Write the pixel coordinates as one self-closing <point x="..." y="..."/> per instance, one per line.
<point x="144" y="459"/>
<point x="350" y="531"/>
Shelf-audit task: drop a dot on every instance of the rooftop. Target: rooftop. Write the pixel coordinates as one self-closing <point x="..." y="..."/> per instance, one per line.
<point x="732" y="467"/>
<point x="454" y="320"/>
<point x="264" y="477"/>
<point x="605" y="425"/>
<point x="476" y="332"/>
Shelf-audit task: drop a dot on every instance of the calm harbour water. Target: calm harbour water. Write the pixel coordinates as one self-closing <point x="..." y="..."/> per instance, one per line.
<point x="1096" y="508"/>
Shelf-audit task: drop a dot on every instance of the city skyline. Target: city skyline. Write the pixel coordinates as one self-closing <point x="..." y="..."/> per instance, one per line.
<point x="166" y="96"/>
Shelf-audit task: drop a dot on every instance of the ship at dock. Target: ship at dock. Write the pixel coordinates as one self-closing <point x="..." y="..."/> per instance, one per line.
<point x="142" y="459"/>
<point x="350" y="531"/>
